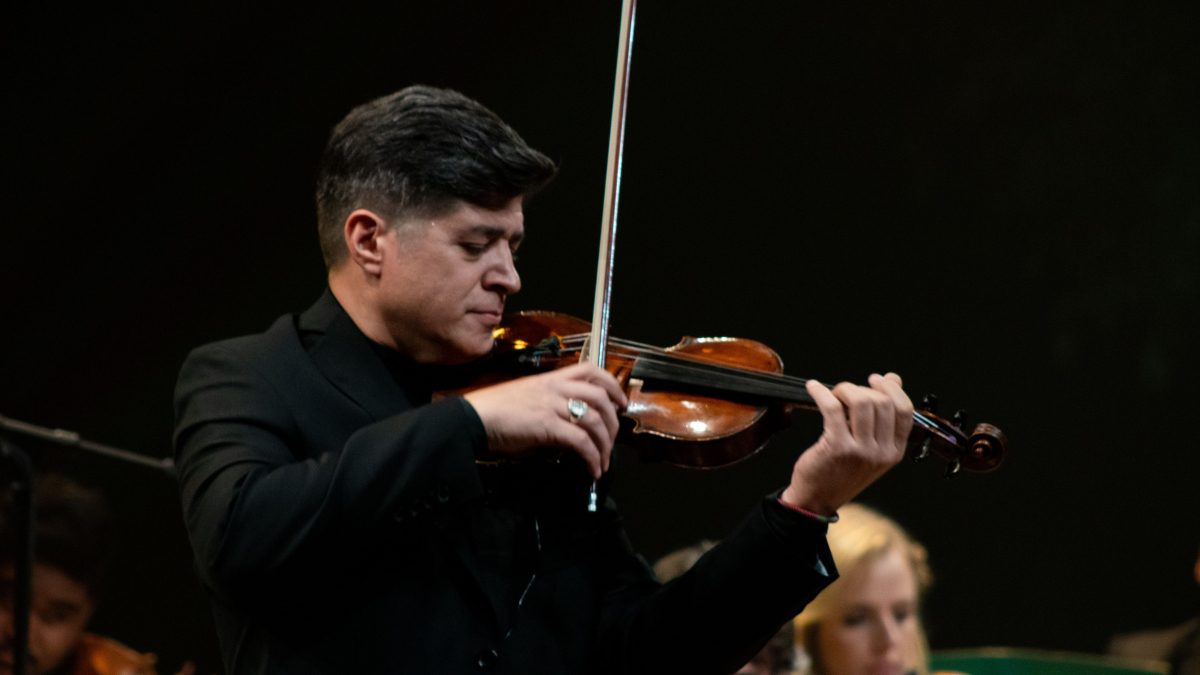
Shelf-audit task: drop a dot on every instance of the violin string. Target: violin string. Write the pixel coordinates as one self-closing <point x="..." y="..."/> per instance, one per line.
<point x="645" y="349"/>
<point x="641" y="349"/>
<point x="775" y="387"/>
<point x="777" y="382"/>
<point x="764" y="383"/>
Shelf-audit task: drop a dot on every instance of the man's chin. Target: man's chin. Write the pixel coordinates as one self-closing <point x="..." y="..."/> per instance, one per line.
<point x="465" y="357"/>
<point x="463" y="351"/>
<point x="458" y="356"/>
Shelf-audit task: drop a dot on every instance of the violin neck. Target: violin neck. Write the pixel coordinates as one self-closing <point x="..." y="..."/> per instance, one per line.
<point x="754" y="387"/>
<point x="981" y="450"/>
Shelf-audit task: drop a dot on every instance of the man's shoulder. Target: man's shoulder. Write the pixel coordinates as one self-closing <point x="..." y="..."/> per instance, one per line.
<point x="275" y="355"/>
<point x="281" y="340"/>
<point x="269" y="351"/>
<point x="280" y="337"/>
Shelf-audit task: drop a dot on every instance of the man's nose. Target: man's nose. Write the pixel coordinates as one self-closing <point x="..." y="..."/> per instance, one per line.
<point x="503" y="274"/>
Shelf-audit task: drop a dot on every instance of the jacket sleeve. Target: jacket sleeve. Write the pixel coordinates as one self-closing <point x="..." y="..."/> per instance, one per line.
<point x="715" y="617"/>
<point x="258" y="511"/>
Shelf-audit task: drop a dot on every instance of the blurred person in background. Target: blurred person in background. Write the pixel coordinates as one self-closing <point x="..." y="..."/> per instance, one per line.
<point x="868" y="621"/>
<point x="73" y="547"/>
<point x="1178" y="645"/>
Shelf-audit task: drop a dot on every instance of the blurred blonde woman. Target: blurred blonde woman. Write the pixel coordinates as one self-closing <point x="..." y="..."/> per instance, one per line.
<point x="867" y="622"/>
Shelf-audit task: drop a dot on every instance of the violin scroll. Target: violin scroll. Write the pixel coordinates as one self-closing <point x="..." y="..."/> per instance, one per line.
<point x="981" y="451"/>
<point x="988" y="447"/>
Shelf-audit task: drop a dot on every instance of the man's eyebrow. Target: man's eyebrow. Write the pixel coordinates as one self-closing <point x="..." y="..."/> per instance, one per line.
<point x="491" y="232"/>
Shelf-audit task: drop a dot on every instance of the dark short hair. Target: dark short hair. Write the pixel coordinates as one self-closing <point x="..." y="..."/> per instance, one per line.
<point x="417" y="152"/>
<point x="73" y="532"/>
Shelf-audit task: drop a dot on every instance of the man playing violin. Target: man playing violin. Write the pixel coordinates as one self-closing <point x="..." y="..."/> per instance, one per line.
<point x="347" y="519"/>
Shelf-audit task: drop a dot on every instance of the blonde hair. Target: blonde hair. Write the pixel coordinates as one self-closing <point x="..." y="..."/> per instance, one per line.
<point x="861" y="536"/>
<point x="674" y="564"/>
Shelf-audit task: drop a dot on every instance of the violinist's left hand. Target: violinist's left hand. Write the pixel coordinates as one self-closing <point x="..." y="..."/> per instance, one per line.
<point x="866" y="431"/>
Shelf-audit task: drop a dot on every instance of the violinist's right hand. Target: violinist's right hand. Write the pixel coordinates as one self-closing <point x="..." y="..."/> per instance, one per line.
<point x="534" y="412"/>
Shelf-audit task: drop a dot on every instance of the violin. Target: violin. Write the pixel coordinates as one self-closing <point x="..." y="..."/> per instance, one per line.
<point x="710" y="402"/>
<point x="704" y="402"/>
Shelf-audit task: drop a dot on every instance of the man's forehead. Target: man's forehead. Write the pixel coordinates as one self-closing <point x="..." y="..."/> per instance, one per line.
<point x="507" y="221"/>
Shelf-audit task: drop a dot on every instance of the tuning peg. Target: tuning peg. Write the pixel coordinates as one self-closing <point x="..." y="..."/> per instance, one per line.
<point x="953" y="468"/>
<point x="924" y="451"/>
<point x="929" y="403"/>
<point x="960" y="418"/>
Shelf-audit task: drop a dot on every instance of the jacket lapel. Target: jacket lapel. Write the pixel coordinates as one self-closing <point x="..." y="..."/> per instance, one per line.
<point x="347" y="360"/>
<point x="345" y="357"/>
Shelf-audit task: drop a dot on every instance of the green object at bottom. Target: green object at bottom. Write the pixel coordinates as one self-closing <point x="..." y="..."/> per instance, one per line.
<point x="1009" y="661"/>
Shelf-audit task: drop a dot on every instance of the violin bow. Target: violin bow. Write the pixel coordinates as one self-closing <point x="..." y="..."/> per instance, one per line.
<point x="595" y="349"/>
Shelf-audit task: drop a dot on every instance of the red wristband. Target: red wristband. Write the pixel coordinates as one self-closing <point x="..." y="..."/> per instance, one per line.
<point x="815" y="516"/>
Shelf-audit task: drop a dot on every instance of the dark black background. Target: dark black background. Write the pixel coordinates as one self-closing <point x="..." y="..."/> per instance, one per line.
<point x="1002" y="204"/>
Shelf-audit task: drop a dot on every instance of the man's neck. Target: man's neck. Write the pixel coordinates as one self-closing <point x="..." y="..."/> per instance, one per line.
<point x="361" y="311"/>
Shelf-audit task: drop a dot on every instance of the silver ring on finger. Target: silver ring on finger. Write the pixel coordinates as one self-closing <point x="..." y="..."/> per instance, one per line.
<point x="576" y="409"/>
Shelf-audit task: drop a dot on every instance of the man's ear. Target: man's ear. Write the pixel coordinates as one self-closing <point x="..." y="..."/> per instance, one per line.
<point x="362" y="232"/>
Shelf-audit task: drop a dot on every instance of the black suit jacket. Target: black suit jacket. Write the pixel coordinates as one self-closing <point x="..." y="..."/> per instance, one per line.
<point x="341" y="524"/>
